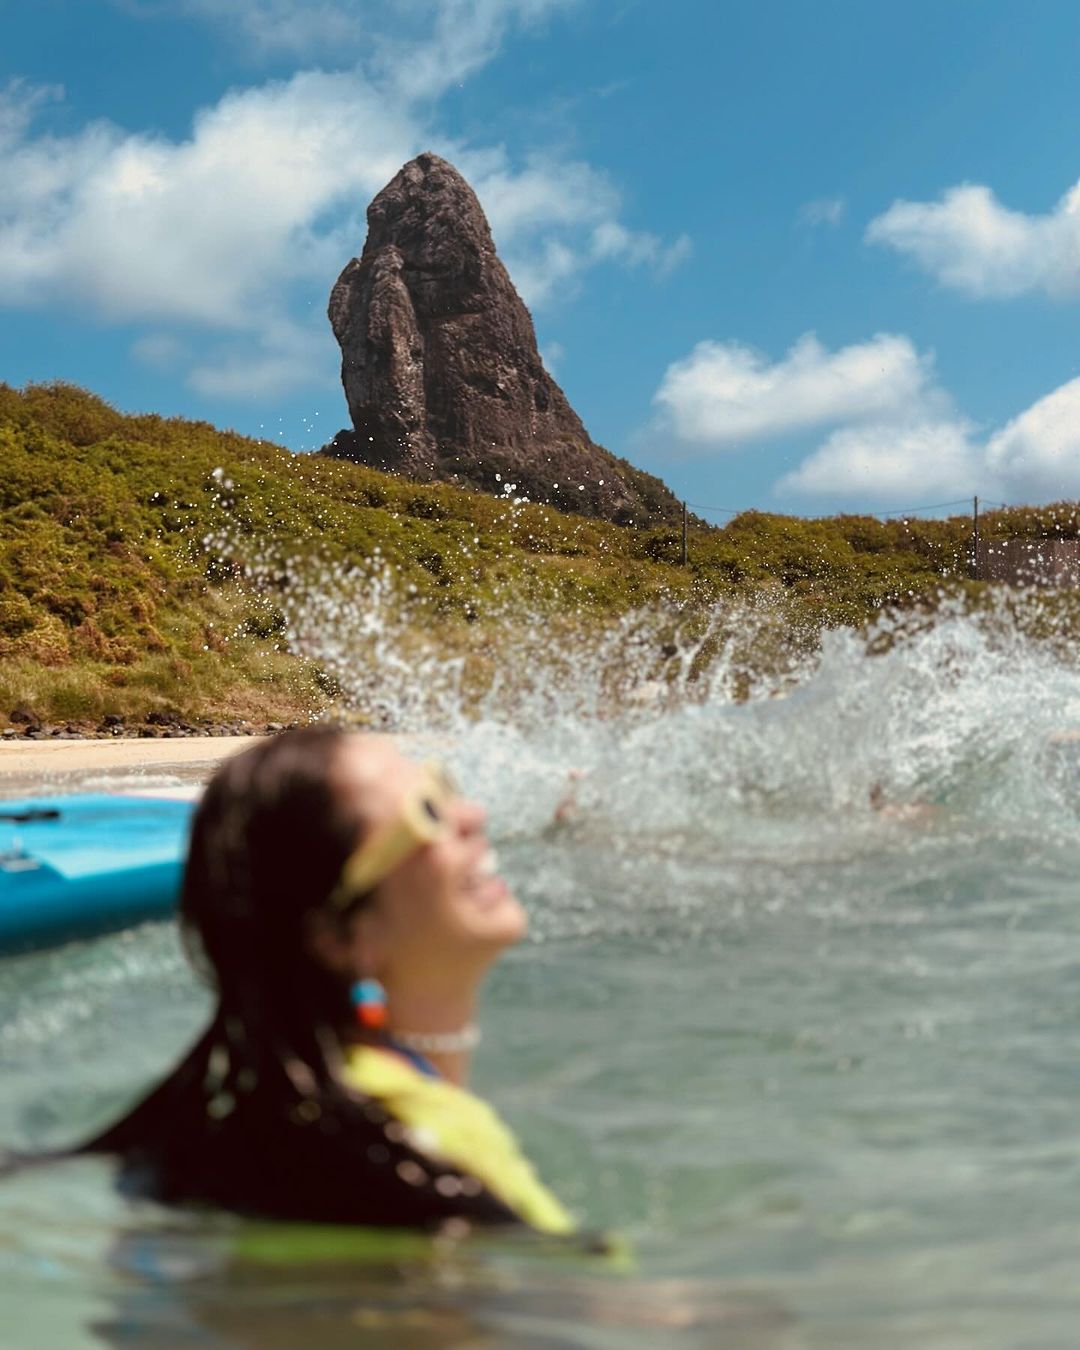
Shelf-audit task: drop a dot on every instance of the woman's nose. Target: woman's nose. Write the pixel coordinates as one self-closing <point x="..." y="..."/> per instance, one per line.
<point x="471" y="816"/>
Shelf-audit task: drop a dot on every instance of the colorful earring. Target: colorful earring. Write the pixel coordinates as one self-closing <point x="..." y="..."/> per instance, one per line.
<point x="369" y="1000"/>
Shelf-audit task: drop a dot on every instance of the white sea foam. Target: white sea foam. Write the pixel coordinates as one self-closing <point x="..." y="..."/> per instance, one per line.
<point x="698" y="720"/>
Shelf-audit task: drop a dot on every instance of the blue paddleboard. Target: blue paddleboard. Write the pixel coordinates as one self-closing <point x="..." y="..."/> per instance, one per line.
<point x="73" y="866"/>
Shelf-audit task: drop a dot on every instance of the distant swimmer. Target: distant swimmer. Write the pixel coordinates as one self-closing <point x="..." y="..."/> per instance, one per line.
<point x="905" y="813"/>
<point x="344" y="903"/>
<point x="566" y="808"/>
<point x="1061" y="761"/>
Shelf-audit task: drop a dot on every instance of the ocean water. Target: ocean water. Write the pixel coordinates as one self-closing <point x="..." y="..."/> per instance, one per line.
<point x="798" y="1019"/>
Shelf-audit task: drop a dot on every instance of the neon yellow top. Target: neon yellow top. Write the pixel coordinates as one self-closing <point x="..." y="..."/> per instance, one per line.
<point x="450" y="1125"/>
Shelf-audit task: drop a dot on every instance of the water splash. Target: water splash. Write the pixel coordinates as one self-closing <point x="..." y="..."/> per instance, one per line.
<point x="675" y="711"/>
<point x="689" y="740"/>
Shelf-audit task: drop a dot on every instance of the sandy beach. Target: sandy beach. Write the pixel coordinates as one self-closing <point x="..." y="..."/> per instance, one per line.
<point x="66" y="766"/>
<point x="28" y="766"/>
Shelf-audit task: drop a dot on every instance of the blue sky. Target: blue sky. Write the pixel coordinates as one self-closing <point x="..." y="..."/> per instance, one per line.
<point x="804" y="255"/>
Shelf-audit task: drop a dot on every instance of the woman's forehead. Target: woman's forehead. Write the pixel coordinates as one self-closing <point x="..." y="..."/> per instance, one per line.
<point x="374" y="767"/>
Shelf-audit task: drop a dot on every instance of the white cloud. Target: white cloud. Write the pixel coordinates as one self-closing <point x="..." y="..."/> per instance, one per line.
<point x="205" y="231"/>
<point x="283" y="357"/>
<point x="283" y="26"/>
<point x="924" y="457"/>
<point x="551" y="353"/>
<point x="554" y="219"/>
<point x="972" y="243"/>
<point x="915" y="463"/>
<point x="465" y="36"/>
<point x="892" y="434"/>
<point x="1037" y="454"/>
<point x="160" y="351"/>
<point x="1034" y="458"/>
<point x="724" y="394"/>
<point x="19" y="103"/>
<point x="546" y="194"/>
<point x="612" y="241"/>
<point x="419" y="47"/>
<point x="892" y="430"/>
<point x="823" y="211"/>
<point x="240" y="228"/>
<point x="546" y="272"/>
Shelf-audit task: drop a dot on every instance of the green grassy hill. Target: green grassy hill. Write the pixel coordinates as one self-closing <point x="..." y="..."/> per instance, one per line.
<point x="144" y="563"/>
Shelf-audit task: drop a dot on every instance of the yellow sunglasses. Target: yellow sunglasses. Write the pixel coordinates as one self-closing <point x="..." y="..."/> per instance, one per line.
<point x="421" y="820"/>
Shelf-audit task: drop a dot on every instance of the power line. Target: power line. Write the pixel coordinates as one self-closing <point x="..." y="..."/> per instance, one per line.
<point x="933" y="506"/>
<point x="721" y="510"/>
<point x="904" y="511"/>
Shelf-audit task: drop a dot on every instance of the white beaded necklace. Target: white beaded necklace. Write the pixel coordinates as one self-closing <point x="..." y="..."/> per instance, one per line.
<point x="439" y="1042"/>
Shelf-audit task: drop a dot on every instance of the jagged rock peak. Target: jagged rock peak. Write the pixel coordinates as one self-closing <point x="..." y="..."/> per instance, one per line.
<point x="440" y="364"/>
<point x="428" y="205"/>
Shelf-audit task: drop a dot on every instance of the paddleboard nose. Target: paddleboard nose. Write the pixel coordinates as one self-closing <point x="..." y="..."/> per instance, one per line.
<point x="88" y="863"/>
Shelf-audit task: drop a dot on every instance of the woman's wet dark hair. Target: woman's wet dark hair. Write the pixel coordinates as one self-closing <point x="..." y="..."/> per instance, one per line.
<point x="268" y="843"/>
<point x="257" y="1117"/>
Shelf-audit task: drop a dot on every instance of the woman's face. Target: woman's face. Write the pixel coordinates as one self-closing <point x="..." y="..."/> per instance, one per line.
<point x="443" y="913"/>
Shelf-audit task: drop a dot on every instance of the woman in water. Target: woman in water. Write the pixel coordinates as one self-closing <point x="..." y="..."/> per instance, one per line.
<point x="344" y="904"/>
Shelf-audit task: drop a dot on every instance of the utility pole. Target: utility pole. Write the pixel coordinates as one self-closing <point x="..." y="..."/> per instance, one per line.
<point x="975" y="533"/>
<point x="684" y="549"/>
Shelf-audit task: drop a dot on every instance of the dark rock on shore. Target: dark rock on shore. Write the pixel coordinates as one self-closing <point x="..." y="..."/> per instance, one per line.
<point x="441" y="369"/>
<point x="156" y="724"/>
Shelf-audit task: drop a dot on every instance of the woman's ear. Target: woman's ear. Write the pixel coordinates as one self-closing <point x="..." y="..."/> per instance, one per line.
<point x="331" y="940"/>
<point x="348" y="944"/>
<point x="368" y="937"/>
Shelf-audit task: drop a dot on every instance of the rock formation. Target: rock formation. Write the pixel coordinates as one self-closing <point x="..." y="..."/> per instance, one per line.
<point x="440" y="365"/>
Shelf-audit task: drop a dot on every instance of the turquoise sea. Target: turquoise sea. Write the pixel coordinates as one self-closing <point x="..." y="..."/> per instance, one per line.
<point x="798" y="1019"/>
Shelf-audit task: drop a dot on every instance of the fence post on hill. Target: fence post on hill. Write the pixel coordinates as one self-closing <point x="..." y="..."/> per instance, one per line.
<point x="684" y="550"/>
<point x="975" y="537"/>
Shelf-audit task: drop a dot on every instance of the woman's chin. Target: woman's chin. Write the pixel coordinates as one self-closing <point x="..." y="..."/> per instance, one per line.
<point x="498" y="917"/>
<point x="520" y="924"/>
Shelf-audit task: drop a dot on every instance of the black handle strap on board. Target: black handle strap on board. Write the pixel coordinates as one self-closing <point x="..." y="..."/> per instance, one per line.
<point x="30" y="816"/>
